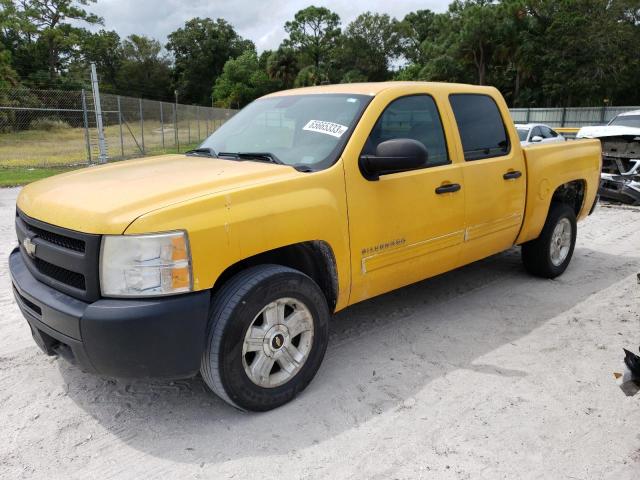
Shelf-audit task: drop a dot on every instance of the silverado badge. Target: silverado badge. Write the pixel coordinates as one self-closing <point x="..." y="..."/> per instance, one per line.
<point x="29" y="247"/>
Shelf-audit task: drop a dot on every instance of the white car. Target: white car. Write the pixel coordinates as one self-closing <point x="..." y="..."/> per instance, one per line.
<point x="624" y="124"/>
<point x="534" y="133"/>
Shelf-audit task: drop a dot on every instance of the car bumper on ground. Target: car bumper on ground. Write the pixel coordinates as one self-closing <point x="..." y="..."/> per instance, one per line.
<point x="156" y="337"/>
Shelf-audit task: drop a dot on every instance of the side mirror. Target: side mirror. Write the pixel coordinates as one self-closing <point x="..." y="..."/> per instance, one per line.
<point x="392" y="156"/>
<point x="537" y="139"/>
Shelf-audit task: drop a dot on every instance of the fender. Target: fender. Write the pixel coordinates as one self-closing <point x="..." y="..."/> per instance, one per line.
<point x="235" y="225"/>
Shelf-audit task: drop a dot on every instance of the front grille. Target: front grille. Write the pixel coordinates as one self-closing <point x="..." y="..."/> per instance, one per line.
<point x="64" y="259"/>
<point x="73" y="279"/>
<point x="60" y="240"/>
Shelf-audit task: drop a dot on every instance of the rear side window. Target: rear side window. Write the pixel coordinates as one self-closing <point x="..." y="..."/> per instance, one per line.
<point x="481" y="127"/>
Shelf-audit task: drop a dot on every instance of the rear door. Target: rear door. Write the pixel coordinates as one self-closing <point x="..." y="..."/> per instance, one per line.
<point x="494" y="176"/>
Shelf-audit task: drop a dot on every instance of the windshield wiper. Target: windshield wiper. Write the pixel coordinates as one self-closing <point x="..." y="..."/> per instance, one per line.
<point x="262" y="156"/>
<point x="202" y="152"/>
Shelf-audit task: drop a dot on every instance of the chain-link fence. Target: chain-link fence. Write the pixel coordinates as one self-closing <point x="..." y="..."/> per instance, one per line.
<point x="43" y="128"/>
<point x="568" y="117"/>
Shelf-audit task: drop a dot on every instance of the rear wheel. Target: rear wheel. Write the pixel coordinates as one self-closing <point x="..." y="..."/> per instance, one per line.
<point x="268" y="333"/>
<point x="549" y="255"/>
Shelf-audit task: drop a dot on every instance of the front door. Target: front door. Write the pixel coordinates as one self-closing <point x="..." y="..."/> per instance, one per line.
<point x="409" y="225"/>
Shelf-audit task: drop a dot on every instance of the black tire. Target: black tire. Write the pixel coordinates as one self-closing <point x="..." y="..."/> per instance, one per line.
<point x="234" y="308"/>
<point x="536" y="254"/>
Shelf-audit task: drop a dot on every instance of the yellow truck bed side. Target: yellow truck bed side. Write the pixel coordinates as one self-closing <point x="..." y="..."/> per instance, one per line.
<point x="548" y="167"/>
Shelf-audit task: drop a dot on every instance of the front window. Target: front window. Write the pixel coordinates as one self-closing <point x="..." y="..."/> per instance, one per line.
<point x="415" y="117"/>
<point x="523" y="133"/>
<point x="307" y="131"/>
<point x="626" y="121"/>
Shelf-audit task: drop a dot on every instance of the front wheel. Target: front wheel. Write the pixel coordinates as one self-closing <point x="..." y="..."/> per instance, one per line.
<point x="268" y="333"/>
<point x="549" y="255"/>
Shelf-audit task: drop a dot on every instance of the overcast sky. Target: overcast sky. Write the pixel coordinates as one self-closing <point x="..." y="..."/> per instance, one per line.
<point x="259" y="20"/>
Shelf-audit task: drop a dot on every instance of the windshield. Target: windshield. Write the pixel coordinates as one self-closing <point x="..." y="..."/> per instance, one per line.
<point x="522" y="133"/>
<point x="626" y="121"/>
<point x="298" y="130"/>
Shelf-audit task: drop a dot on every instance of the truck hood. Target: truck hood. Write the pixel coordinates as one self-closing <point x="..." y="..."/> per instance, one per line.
<point x="607" y="131"/>
<point x="106" y="199"/>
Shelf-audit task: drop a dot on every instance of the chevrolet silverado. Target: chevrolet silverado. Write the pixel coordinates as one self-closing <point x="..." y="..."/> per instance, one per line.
<point x="229" y="260"/>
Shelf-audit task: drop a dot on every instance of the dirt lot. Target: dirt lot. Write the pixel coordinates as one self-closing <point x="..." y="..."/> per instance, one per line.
<point x="480" y="373"/>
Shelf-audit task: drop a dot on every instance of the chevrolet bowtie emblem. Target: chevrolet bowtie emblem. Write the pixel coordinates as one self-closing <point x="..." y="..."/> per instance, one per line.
<point x="29" y="247"/>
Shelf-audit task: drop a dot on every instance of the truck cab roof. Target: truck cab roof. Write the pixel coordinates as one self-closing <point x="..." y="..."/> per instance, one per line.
<point x="374" y="88"/>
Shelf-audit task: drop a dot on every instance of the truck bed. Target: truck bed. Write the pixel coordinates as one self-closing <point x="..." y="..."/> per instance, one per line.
<point x="551" y="165"/>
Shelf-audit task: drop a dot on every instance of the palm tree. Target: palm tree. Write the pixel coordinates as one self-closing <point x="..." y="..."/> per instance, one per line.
<point x="283" y="65"/>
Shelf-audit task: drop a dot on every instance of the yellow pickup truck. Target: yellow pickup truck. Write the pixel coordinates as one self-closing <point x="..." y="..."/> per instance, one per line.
<point x="229" y="260"/>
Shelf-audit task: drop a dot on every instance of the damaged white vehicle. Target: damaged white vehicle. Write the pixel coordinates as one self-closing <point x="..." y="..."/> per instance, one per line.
<point x="620" y="138"/>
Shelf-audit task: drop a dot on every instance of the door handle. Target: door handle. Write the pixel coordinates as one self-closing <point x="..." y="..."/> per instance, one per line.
<point x="448" y="188"/>
<point x="512" y="175"/>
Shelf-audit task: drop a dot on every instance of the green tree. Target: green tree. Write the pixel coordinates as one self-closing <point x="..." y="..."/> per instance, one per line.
<point x="310" y="76"/>
<point x="263" y="59"/>
<point x="314" y="33"/>
<point x="241" y="82"/>
<point x="200" y="50"/>
<point x="353" y="76"/>
<point x="475" y="33"/>
<point x="370" y="43"/>
<point x="8" y="76"/>
<point x="53" y="23"/>
<point x="102" y="48"/>
<point x="516" y="54"/>
<point x="584" y="56"/>
<point x="414" y="29"/>
<point x="537" y="52"/>
<point x="145" y="71"/>
<point x="282" y="65"/>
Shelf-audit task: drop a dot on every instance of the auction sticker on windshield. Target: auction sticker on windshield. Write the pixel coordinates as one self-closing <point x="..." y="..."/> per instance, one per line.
<point x="328" y="128"/>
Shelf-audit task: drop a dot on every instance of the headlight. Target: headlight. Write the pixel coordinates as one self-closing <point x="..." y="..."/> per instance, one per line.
<point x="145" y="265"/>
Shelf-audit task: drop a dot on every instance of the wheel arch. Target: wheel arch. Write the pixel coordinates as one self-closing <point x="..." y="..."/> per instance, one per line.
<point x="314" y="258"/>
<point x="572" y="193"/>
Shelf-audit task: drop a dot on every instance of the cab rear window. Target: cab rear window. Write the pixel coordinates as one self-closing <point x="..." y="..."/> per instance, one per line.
<point x="482" y="130"/>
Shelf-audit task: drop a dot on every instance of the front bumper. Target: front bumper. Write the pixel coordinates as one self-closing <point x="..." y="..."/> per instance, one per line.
<point x="156" y="337"/>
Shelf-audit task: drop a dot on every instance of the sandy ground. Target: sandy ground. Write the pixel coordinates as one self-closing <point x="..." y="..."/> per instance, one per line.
<point x="481" y="373"/>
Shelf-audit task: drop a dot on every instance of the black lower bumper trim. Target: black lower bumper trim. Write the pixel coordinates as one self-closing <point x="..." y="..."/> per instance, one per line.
<point x="158" y="337"/>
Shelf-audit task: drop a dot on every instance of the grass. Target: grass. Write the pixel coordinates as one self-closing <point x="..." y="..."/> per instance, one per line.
<point x="38" y="148"/>
<point x="16" y="176"/>
<point x="12" y="177"/>
<point x="30" y="155"/>
<point x="68" y="146"/>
